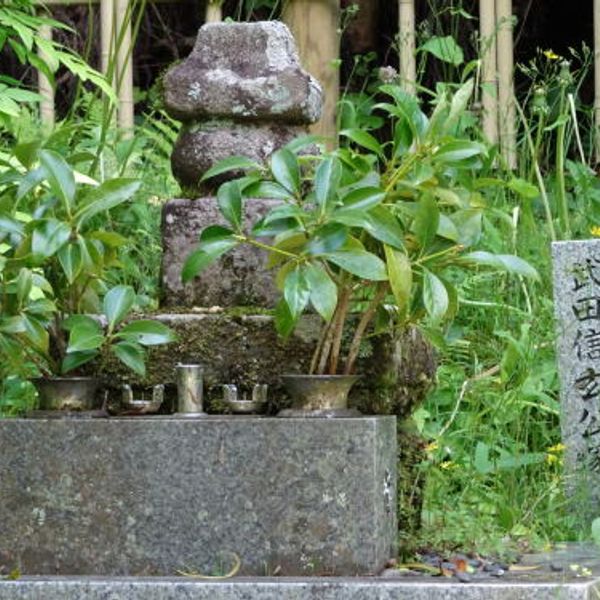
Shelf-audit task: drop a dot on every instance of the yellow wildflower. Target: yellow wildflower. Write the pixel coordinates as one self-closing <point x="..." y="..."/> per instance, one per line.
<point x="551" y="459"/>
<point x="431" y="447"/>
<point x="558" y="448"/>
<point x="550" y="55"/>
<point x="595" y="230"/>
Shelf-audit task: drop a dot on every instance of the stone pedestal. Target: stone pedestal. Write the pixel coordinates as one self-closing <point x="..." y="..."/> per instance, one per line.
<point x="149" y="496"/>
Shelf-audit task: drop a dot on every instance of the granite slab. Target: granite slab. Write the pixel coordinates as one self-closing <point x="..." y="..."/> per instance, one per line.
<point x="576" y="270"/>
<point x="58" y="588"/>
<point x="154" y="495"/>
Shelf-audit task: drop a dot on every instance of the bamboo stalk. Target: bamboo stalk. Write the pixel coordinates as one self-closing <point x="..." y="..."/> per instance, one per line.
<point x="315" y="25"/>
<point x="214" y="12"/>
<point x="406" y="44"/>
<point x="125" y="110"/>
<point x="489" y="73"/>
<point x="107" y="33"/>
<point x="597" y="75"/>
<point x="506" y="91"/>
<point x="44" y="86"/>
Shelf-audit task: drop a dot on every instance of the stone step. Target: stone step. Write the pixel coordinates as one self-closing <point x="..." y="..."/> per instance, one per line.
<point x="178" y="588"/>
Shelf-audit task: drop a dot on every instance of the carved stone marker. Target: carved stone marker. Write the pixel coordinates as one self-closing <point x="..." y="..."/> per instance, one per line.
<point x="577" y="308"/>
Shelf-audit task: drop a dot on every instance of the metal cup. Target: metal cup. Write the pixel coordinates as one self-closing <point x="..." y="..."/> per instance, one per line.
<point x="189" y="390"/>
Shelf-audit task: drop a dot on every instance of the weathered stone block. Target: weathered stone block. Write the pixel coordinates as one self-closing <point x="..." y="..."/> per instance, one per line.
<point x="154" y="495"/>
<point x="240" y="278"/>
<point x="576" y="266"/>
<point x="200" y="146"/>
<point x="250" y="71"/>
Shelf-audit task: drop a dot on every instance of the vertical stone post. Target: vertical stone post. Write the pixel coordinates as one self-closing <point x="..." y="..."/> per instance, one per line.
<point x="406" y="44"/>
<point x="489" y="71"/>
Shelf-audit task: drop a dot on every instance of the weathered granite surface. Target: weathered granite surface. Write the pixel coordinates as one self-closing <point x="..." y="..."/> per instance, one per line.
<point x="241" y="91"/>
<point x="240" y="278"/>
<point x="247" y="70"/>
<point x="576" y="266"/>
<point x="202" y="145"/>
<point x="280" y="588"/>
<point x="149" y="496"/>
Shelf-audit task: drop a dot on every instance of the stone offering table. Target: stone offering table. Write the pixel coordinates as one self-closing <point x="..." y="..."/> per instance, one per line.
<point x="154" y="495"/>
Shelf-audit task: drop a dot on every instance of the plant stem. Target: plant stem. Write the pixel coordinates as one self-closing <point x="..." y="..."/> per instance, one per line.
<point x="339" y="330"/>
<point x="561" y="191"/>
<point x="328" y="342"/>
<point x="317" y="353"/>
<point x="248" y="240"/>
<point x="538" y="173"/>
<point x="362" y="327"/>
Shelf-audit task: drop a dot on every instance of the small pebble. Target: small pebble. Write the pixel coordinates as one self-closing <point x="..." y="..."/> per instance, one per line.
<point x="497" y="572"/>
<point x="556" y="568"/>
<point x="476" y="563"/>
<point x="448" y="566"/>
<point x="463" y="577"/>
<point x="390" y="573"/>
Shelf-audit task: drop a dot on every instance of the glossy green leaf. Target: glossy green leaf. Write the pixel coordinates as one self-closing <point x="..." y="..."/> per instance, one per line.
<point x="69" y="257"/>
<point x="284" y="321"/>
<point x="329" y="238"/>
<point x="327" y="180"/>
<point x="48" y="237"/>
<point x="60" y="176"/>
<point x="77" y="359"/>
<point x="363" y="198"/>
<point x="286" y="170"/>
<point x="364" y="139"/>
<point x="147" y="333"/>
<point x="435" y="296"/>
<point x="360" y="263"/>
<point x="284" y="211"/>
<point x="323" y="291"/>
<point x="504" y="262"/>
<point x="445" y="49"/>
<point x="232" y="163"/>
<point x="384" y="226"/>
<point x="204" y="255"/>
<point x="117" y="304"/>
<point x="459" y="102"/>
<point x="457" y="152"/>
<point x="524" y="188"/>
<point x="400" y="275"/>
<point x="132" y="355"/>
<point x="105" y="197"/>
<point x="229" y="199"/>
<point x="426" y="221"/>
<point x="269" y="190"/>
<point x="296" y="292"/>
<point x="24" y="285"/>
<point x="85" y="335"/>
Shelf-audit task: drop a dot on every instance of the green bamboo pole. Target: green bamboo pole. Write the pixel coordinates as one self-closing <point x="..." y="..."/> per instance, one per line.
<point x="125" y="112"/>
<point x="406" y="44"/>
<point x="489" y="71"/>
<point x="506" y="86"/>
<point x="44" y="86"/>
